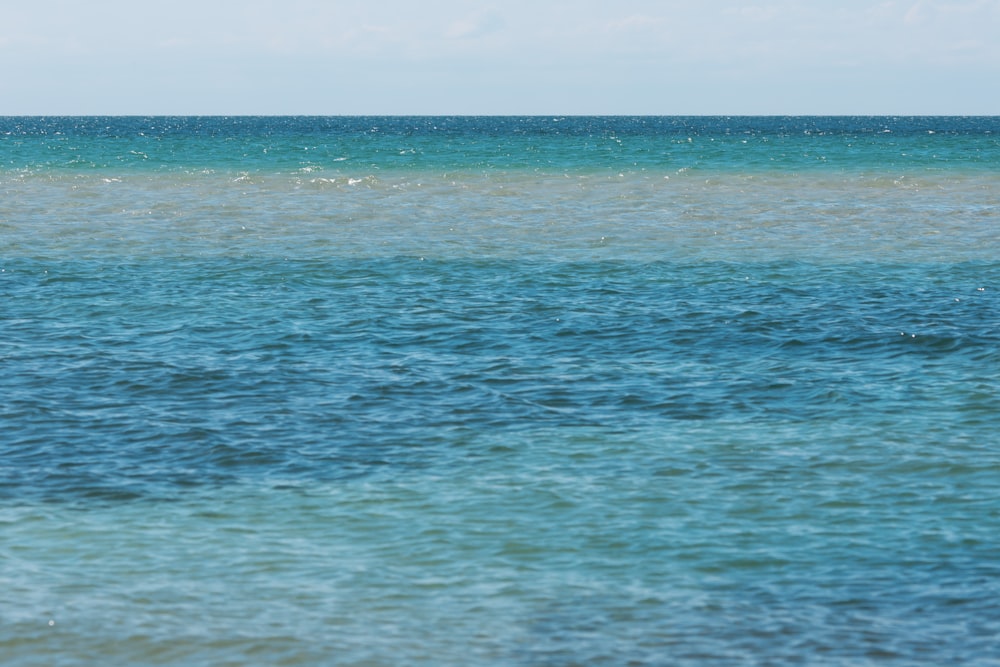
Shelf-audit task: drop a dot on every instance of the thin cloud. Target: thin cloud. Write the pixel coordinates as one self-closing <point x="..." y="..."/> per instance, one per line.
<point x="636" y="22"/>
<point x="475" y="26"/>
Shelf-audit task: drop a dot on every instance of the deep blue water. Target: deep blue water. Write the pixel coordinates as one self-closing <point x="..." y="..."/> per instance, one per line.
<point x="494" y="391"/>
<point x="464" y="144"/>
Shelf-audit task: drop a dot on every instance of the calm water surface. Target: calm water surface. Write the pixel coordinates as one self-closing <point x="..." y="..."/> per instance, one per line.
<point x="499" y="391"/>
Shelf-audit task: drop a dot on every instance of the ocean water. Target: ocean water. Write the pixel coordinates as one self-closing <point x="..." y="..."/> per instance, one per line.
<point x="499" y="391"/>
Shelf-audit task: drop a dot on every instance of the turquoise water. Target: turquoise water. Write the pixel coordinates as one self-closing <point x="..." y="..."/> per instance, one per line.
<point x="499" y="391"/>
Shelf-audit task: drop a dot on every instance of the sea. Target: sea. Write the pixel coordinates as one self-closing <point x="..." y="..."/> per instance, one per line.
<point x="499" y="391"/>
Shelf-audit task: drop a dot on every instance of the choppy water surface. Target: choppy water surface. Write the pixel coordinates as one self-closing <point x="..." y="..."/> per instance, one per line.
<point x="457" y="391"/>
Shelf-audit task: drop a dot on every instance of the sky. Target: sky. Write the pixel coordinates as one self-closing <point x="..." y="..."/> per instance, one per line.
<point x="332" y="57"/>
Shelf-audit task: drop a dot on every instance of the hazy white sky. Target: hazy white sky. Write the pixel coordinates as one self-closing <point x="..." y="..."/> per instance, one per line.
<point x="510" y="57"/>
